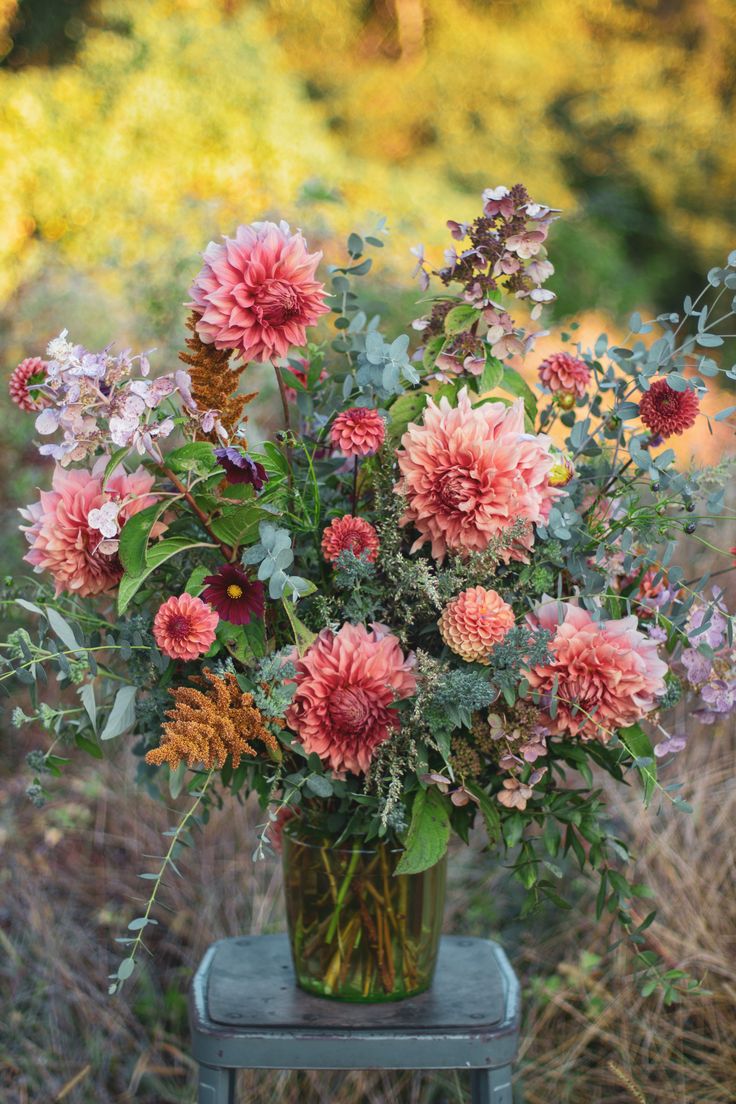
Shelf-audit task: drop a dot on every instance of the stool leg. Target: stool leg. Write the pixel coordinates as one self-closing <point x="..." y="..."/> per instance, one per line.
<point x="491" y="1086"/>
<point x="216" y="1086"/>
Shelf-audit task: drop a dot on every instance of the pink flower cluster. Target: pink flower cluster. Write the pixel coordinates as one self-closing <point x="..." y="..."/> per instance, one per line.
<point x="346" y="686"/>
<point x="603" y="675"/>
<point x="73" y="527"/>
<point x="256" y="293"/>
<point x="468" y="473"/>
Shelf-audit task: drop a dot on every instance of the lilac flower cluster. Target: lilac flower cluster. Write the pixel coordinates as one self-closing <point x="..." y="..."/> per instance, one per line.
<point x="94" y="398"/>
<point x="710" y="659"/>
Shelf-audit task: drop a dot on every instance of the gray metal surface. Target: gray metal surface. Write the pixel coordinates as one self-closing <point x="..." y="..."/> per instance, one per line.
<point x="246" y="1012"/>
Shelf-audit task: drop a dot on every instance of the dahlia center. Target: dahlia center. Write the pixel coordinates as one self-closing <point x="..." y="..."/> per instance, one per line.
<point x="179" y="627"/>
<point x="278" y="303"/>
<point x="234" y="591"/>
<point x="451" y="491"/>
<point x="350" y="710"/>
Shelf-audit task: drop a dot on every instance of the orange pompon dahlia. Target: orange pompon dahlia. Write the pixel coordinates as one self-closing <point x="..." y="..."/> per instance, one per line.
<point x="474" y="622"/>
<point x="350" y="534"/>
<point x="468" y="473"/>
<point x="346" y="686"/>
<point x="207" y="726"/>
<point x="359" y="431"/>
<point x="184" y="627"/>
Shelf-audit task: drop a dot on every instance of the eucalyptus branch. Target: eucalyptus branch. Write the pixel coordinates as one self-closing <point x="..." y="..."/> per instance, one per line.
<point x="139" y="925"/>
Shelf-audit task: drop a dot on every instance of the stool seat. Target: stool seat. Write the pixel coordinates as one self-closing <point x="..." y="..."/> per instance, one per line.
<point x="246" y="1012"/>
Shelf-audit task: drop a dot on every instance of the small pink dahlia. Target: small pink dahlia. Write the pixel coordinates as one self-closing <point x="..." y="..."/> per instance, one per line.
<point x="184" y="627"/>
<point x="468" y="473"/>
<point x="563" y="374"/>
<point x="256" y="293"/>
<point x="60" y="535"/>
<point x="607" y="674"/>
<point x="359" y="431"/>
<point x="346" y="685"/>
<point x="29" y="371"/>
<point x="665" y="411"/>
<point x="474" y="622"/>
<point x="352" y="534"/>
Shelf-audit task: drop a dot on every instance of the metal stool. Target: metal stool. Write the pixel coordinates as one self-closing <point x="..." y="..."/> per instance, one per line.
<point x="245" y="1012"/>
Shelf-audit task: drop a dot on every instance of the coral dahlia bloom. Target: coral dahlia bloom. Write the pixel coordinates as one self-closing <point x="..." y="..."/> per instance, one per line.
<point x="184" y="627"/>
<point x="29" y="371"/>
<point x="665" y="411"/>
<point x="351" y="534"/>
<point x="346" y="684"/>
<point x="474" y="622"/>
<point x="256" y="293"/>
<point x="234" y="596"/>
<point x="563" y="374"/>
<point x="359" y="431"/>
<point x="608" y="669"/>
<point x="468" y="473"/>
<point x="61" y="538"/>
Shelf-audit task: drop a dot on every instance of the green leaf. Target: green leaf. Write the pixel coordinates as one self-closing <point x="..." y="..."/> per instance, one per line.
<point x="62" y="628"/>
<point x="238" y="525"/>
<point x="157" y="555"/>
<point x="428" y="835"/>
<point x="195" y="582"/>
<point x="319" y="785"/>
<point x="134" y="537"/>
<point x="89" y="746"/>
<point x="407" y="408"/>
<point x="176" y="779"/>
<point x="196" y="457"/>
<point x="117" y="458"/>
<point x="432" y="350"/>
<point x="461" y="318"/>
<point x="516" y="385"/>
<point x="87" y="696"/>
<point x="488" y="808"/>
<point x="492" y="374"/>
<point x="122" y="714"/>
<point x="303" y="637"/>
<point x="638" y="744"/>
<point x="125" y="969"/>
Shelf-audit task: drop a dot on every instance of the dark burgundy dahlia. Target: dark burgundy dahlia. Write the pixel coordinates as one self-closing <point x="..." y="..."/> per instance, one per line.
<point x="665" y="411"/>
<point x="234" y="596"/>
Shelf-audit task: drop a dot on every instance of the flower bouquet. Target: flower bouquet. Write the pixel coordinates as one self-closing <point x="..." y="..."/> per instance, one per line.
<point x="443" y="597"/>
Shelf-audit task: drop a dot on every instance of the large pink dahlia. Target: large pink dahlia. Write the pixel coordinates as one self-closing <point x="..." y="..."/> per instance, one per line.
<point x="61" y="537"/>
<point x="346" y="684"/>
<point x="468" y="473"/>
<point x="256" y="293"/>
<point x="607" y="673"/>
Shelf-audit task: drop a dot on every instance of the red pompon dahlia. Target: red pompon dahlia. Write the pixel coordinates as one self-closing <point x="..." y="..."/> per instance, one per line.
<point x="346" y="685"/>
<point x="256" y="293"/>
<point x="350" y="534"/>
<point x="184" y="627"/>
<point x="20" y="385"/>
<point x="563" y="374"/>
<point x="234" y="596"/>
<point x="665" y="411"/>
<point x="359" y="431"/>
<point x="474" y="622"/>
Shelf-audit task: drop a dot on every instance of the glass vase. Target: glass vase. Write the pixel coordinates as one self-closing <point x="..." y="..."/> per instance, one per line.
<point x="358" y="931"/>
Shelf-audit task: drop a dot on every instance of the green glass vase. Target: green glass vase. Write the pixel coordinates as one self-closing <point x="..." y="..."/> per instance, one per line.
<point x="358" y="931"/>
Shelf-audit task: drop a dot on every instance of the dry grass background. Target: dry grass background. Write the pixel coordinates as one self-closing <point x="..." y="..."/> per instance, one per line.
<point x="69" y="877"/>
